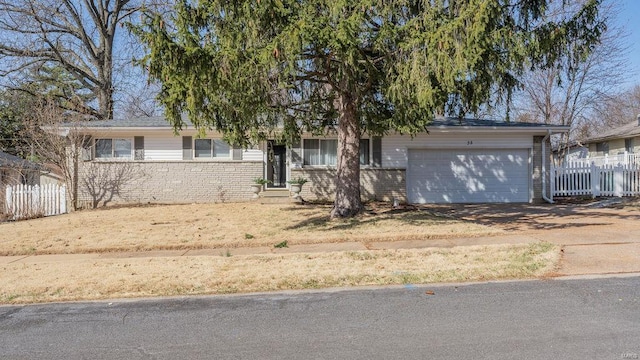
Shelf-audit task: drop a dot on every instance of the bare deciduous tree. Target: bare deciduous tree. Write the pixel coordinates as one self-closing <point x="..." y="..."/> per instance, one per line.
<point x="568" y="93"/>
<point x="617" y="110"/>
<point x="65" y="146"/>
<point x="54" y="145"/>
<point x="79" y="36"/>
<point x="140" y="102"/>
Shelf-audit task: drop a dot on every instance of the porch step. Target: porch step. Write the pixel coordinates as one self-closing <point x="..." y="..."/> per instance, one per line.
<point x="275" y="200"/>
<point x="279" y="196"/>
<point x="275" y="193"/>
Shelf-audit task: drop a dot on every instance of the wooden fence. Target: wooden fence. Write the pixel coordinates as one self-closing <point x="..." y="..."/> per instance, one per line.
<point x="576" y="179"/>
<point x="26" y="201"/>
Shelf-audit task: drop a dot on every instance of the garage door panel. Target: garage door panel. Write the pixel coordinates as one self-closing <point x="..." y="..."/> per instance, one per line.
<point x="468" y="176"/>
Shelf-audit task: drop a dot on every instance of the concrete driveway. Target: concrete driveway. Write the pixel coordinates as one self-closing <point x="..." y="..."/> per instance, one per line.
<point x="597" y="237"/>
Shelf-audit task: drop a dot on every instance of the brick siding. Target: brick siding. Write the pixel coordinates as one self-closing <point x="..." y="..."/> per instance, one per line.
<point x="375" y="184"/>
<point x="104" y="183"/>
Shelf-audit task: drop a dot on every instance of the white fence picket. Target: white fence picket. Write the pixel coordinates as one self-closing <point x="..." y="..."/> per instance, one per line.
<point x="26" y="201"/>
<point x="577" y="178"/>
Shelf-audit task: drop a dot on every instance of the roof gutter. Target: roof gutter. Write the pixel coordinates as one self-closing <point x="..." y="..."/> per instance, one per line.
<point x="492" y="129"/>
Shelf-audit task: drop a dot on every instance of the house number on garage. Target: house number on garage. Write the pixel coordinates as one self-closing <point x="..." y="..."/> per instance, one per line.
<point x="469" y="142"/>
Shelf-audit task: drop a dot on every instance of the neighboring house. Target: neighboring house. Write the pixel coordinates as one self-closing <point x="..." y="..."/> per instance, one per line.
<point x="15" y="170"/>
<point x="619" y="144"/>
<point x="575" y="150"/>
<point x="457" y="161"/>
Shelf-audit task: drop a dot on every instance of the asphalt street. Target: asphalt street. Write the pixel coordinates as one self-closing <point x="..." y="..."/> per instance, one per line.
<point x="554" y="319"/>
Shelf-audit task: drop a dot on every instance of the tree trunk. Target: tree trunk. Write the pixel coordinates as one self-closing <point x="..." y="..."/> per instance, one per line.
<point x="105" y="102"/>
<point x="347" y="202"/>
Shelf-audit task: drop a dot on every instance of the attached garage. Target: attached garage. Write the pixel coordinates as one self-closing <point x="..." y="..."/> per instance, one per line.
<point x="468" y="175"/>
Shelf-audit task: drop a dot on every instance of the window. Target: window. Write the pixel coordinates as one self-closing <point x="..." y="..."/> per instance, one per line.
<point x="602" y="147"/>
<point x="211" y="148"/>
<point x="325" y="152"/>
<point x="364" y="152"/>
<point x="628" y="145"/>
<point x="113" y="148"/>
<point x="320" y="152"/>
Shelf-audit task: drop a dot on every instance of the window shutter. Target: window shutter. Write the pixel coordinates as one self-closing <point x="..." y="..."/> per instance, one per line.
<point x="187" y="153"/>
<point x="237" y="153"/>
<point x="296" y="154"/>
<point x="138" y="146"/>
<point x="376" y="151"/>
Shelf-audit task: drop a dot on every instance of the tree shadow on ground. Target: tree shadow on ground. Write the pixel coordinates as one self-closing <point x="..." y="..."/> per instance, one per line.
<point x="508" y="217"/>
<point x="519" y="217"/>
<point x="374" y="213"/>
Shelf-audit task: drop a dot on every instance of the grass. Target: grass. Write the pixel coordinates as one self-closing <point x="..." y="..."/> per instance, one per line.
<point x="229" y="227"/>
<point x="220" y="226"/>
<point x="139" y="277"/>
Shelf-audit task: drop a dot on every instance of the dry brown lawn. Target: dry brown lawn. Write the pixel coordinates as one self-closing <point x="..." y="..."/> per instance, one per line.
<point x="221" y="226"/>
<point x="136" y="277"/>
<point x="228" y="227"/>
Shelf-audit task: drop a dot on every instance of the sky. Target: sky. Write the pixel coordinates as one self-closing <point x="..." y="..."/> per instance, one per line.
<point x="629" y="18"/>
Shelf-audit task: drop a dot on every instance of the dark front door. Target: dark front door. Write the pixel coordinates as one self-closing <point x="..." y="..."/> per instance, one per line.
<point x="276" y="165"/>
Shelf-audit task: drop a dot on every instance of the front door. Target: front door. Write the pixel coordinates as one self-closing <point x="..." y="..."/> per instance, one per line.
<point x="276" y="165"/>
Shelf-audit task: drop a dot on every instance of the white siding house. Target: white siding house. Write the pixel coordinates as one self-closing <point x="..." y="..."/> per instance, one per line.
<point x="456" y="161"/>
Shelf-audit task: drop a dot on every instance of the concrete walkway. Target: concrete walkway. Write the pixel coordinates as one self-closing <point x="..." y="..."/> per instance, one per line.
<point x="587" y="251"/>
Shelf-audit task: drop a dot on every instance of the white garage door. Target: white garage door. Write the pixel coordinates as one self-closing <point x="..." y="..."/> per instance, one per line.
<point x="468" y="176"/>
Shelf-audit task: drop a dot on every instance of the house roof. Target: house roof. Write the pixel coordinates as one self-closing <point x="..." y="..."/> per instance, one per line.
<point x="629" y="130"/>
<point x="451" y="122"/>
<point x="12" y="161"/>
<point x="134" y="122"/>
<point x="442" y="123"/>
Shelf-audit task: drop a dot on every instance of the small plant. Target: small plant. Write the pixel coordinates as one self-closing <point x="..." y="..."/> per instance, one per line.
<point x="281" y="245"/>
<point x="248" y="236"/>
<point x="227" y="253"/>
<point x="261" y="181"/>
<point x="298" y="181"/>
<point x="222" y="194"/>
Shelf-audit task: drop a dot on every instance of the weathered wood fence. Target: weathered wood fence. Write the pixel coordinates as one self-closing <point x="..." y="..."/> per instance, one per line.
<point x="26" y="201"/>
<point x="578" y="178"/>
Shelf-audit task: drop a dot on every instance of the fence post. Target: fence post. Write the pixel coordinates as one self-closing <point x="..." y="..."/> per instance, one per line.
<point x="626" y="157"/>
<point x="45" y="196"/>
<point x="37" y="207"/>
<point x="63" y="199"/>
<point x="595" y="180"/>
<point x="8" y="203"/>
<point x="618" y="180"/>
<point x="552" y="181"/>
<point x="20" y="201"/>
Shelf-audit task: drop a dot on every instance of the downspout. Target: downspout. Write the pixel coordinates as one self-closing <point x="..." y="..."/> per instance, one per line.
<point x="548" y="199"/>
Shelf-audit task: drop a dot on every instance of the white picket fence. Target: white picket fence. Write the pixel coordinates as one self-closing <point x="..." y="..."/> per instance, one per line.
<point x="625" y="158"/>
<point x="577" y="178"/>
<point x="27" y="201"/>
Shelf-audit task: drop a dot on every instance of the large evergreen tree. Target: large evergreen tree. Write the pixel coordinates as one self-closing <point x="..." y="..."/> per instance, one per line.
<point x="11" y="127"/>
<point x="256" y="69"/>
